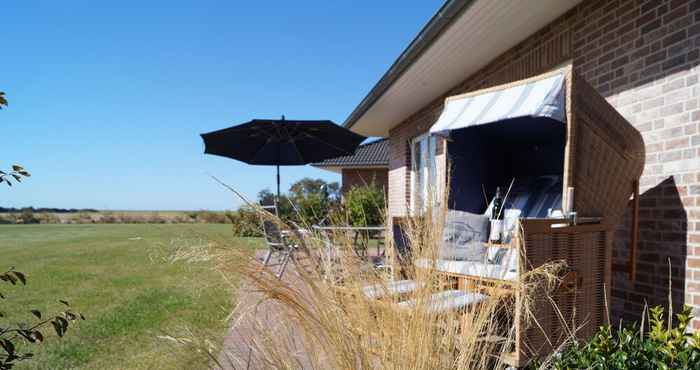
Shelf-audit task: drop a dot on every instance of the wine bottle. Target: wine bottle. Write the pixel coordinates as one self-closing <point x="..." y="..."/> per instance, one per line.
<point x="497" y="213"/>
<point x="497" y="218"/>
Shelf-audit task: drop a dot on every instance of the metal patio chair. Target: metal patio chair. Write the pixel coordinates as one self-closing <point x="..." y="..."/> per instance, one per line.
<point x="277" y="245"/>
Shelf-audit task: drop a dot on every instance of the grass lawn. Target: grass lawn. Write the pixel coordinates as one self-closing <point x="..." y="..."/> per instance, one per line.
<point x="120" y="278"/>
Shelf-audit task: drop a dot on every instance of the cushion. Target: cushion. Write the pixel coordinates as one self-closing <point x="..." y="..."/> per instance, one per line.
<point x="447" y="300"/>
<point x="463" y="236"/>
<point x="487" y="270"/>
<point x="472" y="251"/>
<point x="396" y="287"/>
<point x="533" y="196"/>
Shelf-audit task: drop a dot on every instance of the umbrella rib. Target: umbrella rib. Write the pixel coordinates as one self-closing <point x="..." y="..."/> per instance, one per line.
<point x="262" y="147"/>
<point x="325" y="143"/>
<point x="295" y="145"/>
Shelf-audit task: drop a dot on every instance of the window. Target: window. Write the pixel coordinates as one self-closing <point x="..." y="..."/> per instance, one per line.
<point x="423" y="173"/>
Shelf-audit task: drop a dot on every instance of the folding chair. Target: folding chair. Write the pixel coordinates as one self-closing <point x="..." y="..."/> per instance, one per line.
<point x="276" y="244"/>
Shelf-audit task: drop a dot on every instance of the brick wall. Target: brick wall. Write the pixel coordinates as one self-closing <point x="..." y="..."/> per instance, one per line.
<point x="352" y="177"/>
<point x="643" y="57"/>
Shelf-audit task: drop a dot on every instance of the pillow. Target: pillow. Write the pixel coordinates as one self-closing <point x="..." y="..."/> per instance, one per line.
<point x="464" y="235"/>
<point x="463" y="227"/>
<point x="472" y="251"/>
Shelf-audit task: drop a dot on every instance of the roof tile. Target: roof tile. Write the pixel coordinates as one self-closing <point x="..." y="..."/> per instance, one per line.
<point x="373" y="154"/>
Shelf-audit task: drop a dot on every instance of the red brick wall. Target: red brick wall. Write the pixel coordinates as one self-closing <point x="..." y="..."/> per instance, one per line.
<point x="359" y="177"/>
<point x="643" y="57"/>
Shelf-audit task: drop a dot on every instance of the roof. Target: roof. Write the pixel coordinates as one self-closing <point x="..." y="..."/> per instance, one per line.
<point x="461" y="38"/>
<point x="369" y="155"/>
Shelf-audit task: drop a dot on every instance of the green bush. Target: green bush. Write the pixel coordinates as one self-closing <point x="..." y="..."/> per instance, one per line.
<point x="662" y="346"/>
<point x="246" y="222"/>
<point x="365" y="205"/>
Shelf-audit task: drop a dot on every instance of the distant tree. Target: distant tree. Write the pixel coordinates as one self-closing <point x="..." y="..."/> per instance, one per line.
<point x="307" y="186"/>
<point x="314" y="199"/>
<point x="265" y="197"/>
<point x="308" y="201"/>
<point x="285" y="209"/>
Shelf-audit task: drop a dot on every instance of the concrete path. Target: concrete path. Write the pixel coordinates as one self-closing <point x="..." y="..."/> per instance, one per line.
<point x="255" y="320"/>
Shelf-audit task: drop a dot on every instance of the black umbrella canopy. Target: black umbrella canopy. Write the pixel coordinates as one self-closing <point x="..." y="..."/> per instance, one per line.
<point x="282" y="142"/>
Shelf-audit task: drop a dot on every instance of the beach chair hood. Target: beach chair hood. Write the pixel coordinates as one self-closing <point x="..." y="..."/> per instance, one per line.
<point x="603" y="153"/>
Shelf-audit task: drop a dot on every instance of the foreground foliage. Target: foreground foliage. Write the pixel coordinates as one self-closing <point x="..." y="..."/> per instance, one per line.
<point x="663" y="346"/>
<point x="17" y="173"/>
<point x="15" y="337"/>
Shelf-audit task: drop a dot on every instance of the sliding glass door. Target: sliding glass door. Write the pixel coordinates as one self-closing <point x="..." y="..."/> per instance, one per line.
<point x="423" y="174"/>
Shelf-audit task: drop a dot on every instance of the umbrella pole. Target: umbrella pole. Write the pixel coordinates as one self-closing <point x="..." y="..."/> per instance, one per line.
<point x="278" y="174"/>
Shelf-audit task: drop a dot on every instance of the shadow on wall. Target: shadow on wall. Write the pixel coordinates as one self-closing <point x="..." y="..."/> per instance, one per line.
<point x="663" y="226"/>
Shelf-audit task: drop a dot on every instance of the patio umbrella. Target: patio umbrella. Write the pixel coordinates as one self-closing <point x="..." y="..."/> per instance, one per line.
<point x="282" y="142"/>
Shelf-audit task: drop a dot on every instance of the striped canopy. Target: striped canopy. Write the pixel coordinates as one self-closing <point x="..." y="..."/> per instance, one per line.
<point x="533" y="98"/>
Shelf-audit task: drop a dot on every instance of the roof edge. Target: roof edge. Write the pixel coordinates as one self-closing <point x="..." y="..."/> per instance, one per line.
<point x="353" y="166"/>
<point x="440" y="21"/>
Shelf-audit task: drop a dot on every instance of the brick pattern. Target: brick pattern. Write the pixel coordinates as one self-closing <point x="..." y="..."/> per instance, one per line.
<point x="352" y="177"/>
<point x="643" y="57"/>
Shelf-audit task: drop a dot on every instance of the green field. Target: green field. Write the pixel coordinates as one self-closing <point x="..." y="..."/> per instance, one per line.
<point x="121" y="278"/>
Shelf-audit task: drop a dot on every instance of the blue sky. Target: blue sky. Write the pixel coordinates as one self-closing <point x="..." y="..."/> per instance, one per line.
<point x="107" y="102"/>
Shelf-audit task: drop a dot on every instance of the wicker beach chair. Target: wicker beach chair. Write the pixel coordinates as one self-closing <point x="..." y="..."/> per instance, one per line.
<point x="593" y="149"/>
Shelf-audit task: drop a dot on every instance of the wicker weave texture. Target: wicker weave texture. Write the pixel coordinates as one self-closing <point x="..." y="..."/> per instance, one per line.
<point x="567" y="311"/>
<point x="606" y="154"/>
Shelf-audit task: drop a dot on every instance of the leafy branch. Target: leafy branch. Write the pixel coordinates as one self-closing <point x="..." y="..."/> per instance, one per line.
<point x="11" y="335"/>
<point x="17" y="173"/>
<point x="3" y="101"/>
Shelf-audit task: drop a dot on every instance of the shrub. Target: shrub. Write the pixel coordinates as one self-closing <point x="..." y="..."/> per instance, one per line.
<point x="48" y="218"/>
<point x="208" y="217"/>
<point x="246" y="222"/>
<point x="663" y="346"/>
<point x="365" y="205"/>
<point x="27" y="217"/>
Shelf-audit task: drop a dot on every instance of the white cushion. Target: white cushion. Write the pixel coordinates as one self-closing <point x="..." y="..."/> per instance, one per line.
<point x="396" y="287"/>
<point x="447" y="300"/>
<point x="486" y="270"/>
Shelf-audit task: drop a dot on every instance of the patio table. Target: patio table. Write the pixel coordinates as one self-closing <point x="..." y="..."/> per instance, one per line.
<point x="358" y="230"/>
